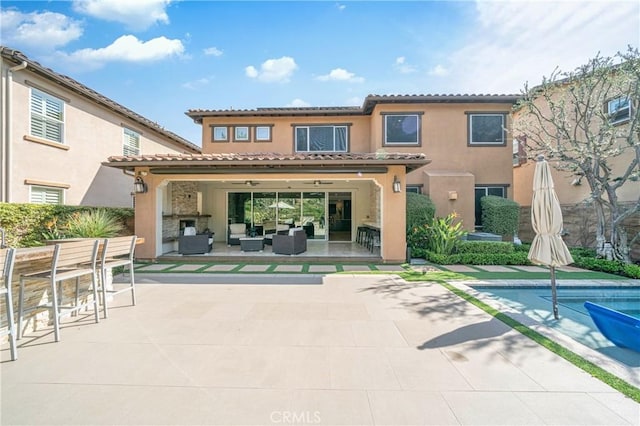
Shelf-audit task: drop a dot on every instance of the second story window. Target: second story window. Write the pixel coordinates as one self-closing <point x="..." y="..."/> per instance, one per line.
<point x="47" y="116"/>
<point x="619" y="110"/>
<point x="486" y="129"/>
<point x="401" y="129"/>
<point x="321" y="138"/>
<point x="130" y="143"/>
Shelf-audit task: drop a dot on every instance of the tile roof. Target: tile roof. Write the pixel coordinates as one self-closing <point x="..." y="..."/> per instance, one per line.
<point x="266" y="156"/>
<point x="367" y="107"/>
<point x="77" y="87"/>
<point x="267" y="159"/>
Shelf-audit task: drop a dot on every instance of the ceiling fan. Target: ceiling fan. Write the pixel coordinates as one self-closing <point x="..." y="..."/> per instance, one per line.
<point x="246" y="183"/>
<point x="319" y="182"/>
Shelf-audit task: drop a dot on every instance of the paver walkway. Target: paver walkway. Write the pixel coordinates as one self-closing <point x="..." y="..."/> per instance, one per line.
<point x="335" y="349"/>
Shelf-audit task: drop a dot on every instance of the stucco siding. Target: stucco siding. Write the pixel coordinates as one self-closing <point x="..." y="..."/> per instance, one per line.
<point x="92" y="133"/>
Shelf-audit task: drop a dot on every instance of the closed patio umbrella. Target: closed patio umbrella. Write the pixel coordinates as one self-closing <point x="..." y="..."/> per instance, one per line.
<point x="282" y="205"/>
<point x="547" y="248"/>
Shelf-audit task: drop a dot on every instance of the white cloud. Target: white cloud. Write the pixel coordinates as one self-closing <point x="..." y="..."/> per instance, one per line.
<point x="439" y="71"/>
<point x="402" y="66"/>
<point x="273" y="70"/>
<point x="298" y="103"/>
<point x="341" y="7"/>
<point x="340" y="74"/>
<point x="38" y="30"/>
<point x="212" y="51"/>
<point x="196" y="84"/>
<point x="516" y="42"/>
<point x="137" y="15"/>
<point x="128" y="49"/>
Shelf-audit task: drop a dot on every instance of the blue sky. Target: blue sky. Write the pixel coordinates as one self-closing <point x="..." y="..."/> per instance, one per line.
<point x="161" y="58"/>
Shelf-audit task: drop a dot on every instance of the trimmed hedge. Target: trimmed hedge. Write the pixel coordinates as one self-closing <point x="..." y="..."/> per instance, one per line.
<point x="609" y="266"/>
<point x="492" y="247"/>
<point x="29" y="225"/>
<point x="499" y="215"/>
<point x="514" y="258"/>
<point x="420" y="210"/>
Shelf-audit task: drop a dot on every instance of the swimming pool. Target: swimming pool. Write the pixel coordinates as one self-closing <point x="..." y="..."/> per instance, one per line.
<point x="575" y="322"/>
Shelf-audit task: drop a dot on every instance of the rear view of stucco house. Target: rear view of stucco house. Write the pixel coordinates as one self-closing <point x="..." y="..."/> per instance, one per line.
<point x="331" y="169"/>
<point x="55" y="133"/>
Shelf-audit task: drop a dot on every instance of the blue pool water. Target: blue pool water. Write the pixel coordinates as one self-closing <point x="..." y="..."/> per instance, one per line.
<point x="575" y="321"/>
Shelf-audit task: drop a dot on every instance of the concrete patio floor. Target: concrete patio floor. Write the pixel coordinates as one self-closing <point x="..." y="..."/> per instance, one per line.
<point x="335" y="349"/>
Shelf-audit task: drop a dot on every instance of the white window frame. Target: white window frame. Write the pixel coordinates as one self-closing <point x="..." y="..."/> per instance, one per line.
<point x="617" y="116"/>
<point x="386" y="140"/>
<point x="47" y="119"/>
<point x="129" y="136"/>
<point x="263" y="137"/>
<point x="43" y="191"/>
<point x="503" y="140"/>
<point x="220" y="133"/>
<point x="334" y="127"/>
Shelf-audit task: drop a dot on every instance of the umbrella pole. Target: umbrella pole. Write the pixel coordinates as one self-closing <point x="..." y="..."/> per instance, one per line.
<point x="554" y="295"/>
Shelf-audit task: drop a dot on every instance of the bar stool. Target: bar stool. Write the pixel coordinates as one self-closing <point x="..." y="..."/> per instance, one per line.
<point x="361" y="234"/>
<point x="374" y="241"/>
<point x="7" y="258"/>
<point x="70" y="260"/>
<point x="116" y="252"/>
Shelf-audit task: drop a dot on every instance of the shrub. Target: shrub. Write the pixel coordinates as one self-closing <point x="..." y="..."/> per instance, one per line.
<point x="420" y="210"/>
<point x="515" y="258"/>
<point x="499" y="215"/>
<point x="484" y="247"/>
<point x="97" y="223"/>
<point x="29" y="225"/>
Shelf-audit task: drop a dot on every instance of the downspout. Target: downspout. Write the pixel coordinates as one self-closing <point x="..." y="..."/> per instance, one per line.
<point x="6" y="143"/>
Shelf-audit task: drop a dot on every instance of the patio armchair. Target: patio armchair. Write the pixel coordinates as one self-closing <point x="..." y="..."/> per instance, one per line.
<point x="235" y="232"/>
<point x="295" y="242"/>
<point x="195" y="244"/>
<point x="280" y="229"/>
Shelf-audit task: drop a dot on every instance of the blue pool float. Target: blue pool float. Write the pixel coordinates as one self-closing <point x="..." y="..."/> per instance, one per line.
<point x="621" y="329"/>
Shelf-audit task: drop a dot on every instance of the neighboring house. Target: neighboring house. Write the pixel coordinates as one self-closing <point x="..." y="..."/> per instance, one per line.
<point x="331" y="169"/>
<point x="572" y="190"/>
<point x="56" y="132"/>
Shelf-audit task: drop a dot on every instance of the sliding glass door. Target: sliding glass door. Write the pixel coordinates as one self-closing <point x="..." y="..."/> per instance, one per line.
<point x="261" y="211"/>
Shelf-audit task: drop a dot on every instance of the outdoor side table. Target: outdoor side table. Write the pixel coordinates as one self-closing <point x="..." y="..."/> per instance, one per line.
<point x="252" y="243"/>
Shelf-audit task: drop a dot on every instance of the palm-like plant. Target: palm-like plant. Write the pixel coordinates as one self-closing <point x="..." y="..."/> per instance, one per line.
<point x="97" y="223"/>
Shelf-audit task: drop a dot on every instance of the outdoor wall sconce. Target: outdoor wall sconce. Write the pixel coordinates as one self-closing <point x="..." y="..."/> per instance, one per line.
<point x="139" y="187"/>
<point x="453" y="195"/>
<point x="396" y="184"/>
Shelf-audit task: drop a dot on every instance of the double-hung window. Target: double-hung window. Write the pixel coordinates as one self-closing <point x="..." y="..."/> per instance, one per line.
<point x="46" y="195"/>
<point x="321" y="138"/>
<point x="47" y="116"/>
<point x="130" y="142"/>
<point x="619" y="110"/>
<point x="486" y="129"/>
<point x="401" y="129"/>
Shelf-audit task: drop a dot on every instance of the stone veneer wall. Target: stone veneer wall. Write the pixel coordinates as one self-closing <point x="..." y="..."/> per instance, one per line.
<point x="184" y="205"/>
<point x="579" y="227"/>
<point x="184" y="199"/>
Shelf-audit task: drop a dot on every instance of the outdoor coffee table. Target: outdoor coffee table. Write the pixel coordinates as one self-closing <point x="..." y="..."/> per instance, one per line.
<point x="251" y="243"/>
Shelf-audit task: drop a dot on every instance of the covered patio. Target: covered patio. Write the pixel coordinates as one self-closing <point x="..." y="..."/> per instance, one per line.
<point x="330" y="196"/>
<point x="317" y="251"/>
